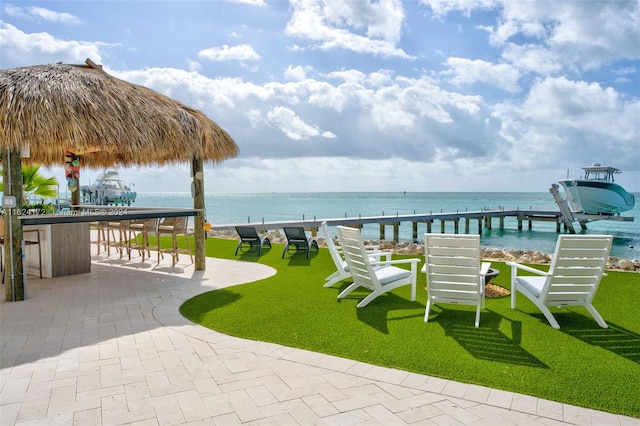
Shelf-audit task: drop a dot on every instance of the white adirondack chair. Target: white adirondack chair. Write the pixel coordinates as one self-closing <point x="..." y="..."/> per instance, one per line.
<point x="454" y="271"/>
<point x="342" y="269"/>
<point x="574" y="276"/>
<point x="366" y="273"/>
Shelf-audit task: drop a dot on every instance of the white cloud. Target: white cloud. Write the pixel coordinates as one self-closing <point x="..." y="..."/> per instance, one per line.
<point x="49" y="15"/>
<point x="295" y="73"/>
<point x="440" y="8"/>
<point x="21" y="49"/>
<point x="404" y="118"/>
<point x="230" y="53"/>
<point x="577" y="121"/>
<point x="293" y="126"/>
<point x="466" y="71"/>
<point x="576" y="34"/>
<point x="260" y="3"/>
<point x="361" y="26"/>
<point x="533" y="58"/>
<point x="41" y="13"/>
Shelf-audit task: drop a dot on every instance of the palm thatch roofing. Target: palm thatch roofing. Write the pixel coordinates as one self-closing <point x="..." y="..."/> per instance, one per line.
<point x="57" y="107"/>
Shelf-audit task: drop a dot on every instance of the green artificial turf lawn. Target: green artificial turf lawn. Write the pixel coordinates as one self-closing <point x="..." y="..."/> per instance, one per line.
<point x="513" y="350"/>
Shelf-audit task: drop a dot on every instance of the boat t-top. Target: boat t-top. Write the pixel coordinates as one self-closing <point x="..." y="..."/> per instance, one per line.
<point x="108" y="188"/>
<point x="597" y="193"/>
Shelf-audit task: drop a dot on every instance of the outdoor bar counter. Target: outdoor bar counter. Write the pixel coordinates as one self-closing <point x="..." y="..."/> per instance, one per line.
<point x="65" y="237"/>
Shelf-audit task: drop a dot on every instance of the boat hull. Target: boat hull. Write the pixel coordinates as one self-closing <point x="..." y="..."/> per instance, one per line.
<point x="597" y="197"/>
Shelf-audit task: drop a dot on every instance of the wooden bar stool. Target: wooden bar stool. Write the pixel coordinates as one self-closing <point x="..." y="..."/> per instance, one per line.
<point x="101" y="239"/>
<point x="118" y="236"/>
<point x="141" y="228"/>
<point x="174" y="226"/>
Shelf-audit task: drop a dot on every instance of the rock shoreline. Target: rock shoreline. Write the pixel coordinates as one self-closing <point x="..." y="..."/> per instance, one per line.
<point x="498" y="255"/>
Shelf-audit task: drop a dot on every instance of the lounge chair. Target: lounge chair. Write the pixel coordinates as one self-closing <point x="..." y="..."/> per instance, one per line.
<point x="297" y="238"/>
<point x="366" y="273"/>
<point x="454" y="272"/>
<point x="342" y="269"/>
<point x="572" y="280"/>
<point x="249" y="235"/>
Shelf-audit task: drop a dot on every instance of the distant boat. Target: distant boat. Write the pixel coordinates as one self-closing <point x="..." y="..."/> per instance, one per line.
<point x="596" y="192"/>
<point x="108" y="188"/>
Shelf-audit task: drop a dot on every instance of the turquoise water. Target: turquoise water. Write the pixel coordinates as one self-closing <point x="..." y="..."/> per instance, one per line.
<point x="242" y="208"/>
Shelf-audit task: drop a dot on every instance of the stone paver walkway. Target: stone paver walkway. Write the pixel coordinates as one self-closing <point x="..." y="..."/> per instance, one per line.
<point x="110" y="348"/>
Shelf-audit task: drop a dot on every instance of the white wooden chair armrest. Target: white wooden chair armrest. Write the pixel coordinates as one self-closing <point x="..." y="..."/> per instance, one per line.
<point x="396" y="262"/>
<point x="378" y="255"/>
<point x="527" y="268"/>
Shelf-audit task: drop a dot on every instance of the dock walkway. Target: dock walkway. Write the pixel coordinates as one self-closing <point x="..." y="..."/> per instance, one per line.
<point x="484" y="219"/>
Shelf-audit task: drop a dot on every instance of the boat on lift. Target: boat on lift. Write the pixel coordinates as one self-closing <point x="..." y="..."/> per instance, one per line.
<point x="597" y="193"/>
<point x="107" y="189"/>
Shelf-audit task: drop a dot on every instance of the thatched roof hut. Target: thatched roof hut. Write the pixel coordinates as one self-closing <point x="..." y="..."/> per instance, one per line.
<point x="55" y="108"/>
<point x="108" y="121"/>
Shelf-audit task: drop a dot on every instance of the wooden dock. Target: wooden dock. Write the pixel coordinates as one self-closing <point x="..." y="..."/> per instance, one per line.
<point x="484" y="218"/>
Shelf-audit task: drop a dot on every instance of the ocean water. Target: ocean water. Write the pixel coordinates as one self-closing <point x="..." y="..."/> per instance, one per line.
<point x="229" y="208"/>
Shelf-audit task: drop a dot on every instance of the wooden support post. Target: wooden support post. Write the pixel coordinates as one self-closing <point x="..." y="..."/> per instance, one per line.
<point x="501" y="223"/>
<point x="558" y="226"/>
<point x="396" y="232"/>
<point x="414" y="229"/>
<point x="12" y="179"/>
<point x="429" y="223"/>
<point x="456" y="225"/>
<point x="466" y="225"/>
<point x="382" y="231"/>
<point x="519" y="223"/>
<point x="442" y="222"/>
<point x="530" y="224"/>
<point x="480" y="226"/>
<point x="199" y="219"/>
<point x="75" y="195"/>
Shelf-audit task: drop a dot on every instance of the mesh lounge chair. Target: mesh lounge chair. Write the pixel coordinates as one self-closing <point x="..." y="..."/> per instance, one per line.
<point x="249" y="235"/>
<point x="573" y="278"/>
<point x="297" y="238"/>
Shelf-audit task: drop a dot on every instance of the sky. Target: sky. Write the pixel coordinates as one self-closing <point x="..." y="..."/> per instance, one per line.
<point x="386" y="95"/>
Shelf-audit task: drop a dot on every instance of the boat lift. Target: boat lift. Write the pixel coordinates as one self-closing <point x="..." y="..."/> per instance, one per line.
<point x="569" y="216"/>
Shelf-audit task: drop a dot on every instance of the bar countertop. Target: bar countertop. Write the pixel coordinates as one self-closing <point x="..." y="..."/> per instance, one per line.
<point x="104" y="213"/>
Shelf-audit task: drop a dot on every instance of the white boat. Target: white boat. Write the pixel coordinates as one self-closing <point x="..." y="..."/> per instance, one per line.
<point x="108" y="188"/>
<point x="597" y="193"/>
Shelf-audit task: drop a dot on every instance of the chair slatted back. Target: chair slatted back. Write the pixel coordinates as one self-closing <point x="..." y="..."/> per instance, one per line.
<point x="576" y="270"/>
<point x="355" y="254"/>
<point x="333" y="250"/>
<point x="452" y="264"/>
